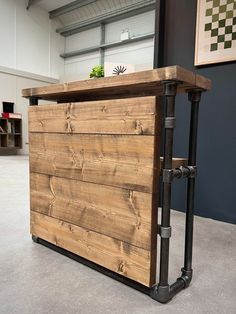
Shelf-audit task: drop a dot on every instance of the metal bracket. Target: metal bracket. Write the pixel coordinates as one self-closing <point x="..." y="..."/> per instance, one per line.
<point x="164" y="232"/>
<point x="170" y="122"/>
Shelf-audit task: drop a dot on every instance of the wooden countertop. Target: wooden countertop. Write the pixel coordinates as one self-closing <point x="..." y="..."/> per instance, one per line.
<point x="145" y="83"/>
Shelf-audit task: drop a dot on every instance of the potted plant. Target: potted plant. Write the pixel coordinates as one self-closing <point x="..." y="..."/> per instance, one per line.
<point x="97" y="71"/>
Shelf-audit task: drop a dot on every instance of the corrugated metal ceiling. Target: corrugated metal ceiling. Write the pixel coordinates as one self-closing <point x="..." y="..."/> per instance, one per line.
<point x="85" y="12"/>
<point x="94" y="9"/>
<point x="53" y="4"/>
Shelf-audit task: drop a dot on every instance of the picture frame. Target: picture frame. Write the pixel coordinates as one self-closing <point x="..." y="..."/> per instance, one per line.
<point x="215" y="40"/>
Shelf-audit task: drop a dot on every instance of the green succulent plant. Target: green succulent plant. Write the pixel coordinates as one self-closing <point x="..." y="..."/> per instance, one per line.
<point x="97" y="71"/>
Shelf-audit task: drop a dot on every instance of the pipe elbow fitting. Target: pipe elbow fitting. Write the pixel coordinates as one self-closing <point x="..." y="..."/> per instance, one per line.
<point x="186" y="276"/>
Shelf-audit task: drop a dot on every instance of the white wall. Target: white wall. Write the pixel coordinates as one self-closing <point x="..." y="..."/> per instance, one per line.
<point x="77" y="68"/>
<point x="29" y="41"/>
<point x="29" y="54"/>
<point x="30" y="51"/>
<point x="10" y="90"/>
<point x="140" y="53"/>
<point x="137" y="25"/>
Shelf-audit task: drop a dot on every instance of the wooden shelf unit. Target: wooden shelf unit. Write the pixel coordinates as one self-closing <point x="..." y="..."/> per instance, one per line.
<point x="11" y="138"/>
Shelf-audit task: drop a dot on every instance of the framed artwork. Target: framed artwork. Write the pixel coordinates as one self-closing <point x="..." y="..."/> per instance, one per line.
<point x="215" y="31"/>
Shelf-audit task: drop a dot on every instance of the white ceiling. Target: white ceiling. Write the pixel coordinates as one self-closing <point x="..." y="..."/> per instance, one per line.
<point x="53" y="4"/>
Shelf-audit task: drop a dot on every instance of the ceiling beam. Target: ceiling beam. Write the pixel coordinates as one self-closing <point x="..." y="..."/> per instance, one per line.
<point x="115" y="15"/>
<point x="30" y="3"/>
<point x="69" y="7"/>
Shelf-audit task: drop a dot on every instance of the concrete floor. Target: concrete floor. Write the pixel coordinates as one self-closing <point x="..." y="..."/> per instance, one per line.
<point x="37" y="280"/>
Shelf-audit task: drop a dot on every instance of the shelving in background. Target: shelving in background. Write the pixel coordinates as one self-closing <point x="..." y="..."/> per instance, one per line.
<point x="10" y="135"/>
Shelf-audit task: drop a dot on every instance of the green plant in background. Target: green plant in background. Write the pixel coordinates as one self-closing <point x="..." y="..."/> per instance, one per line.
<point x="97" y="71"/>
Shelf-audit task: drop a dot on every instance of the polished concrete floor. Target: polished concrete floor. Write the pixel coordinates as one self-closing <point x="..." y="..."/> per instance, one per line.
<point x="37" y="280"/>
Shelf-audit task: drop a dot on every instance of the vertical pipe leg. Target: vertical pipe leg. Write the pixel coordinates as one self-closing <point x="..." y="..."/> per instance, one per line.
<point x="169" y="93"/>
<point x="33" y="101"/>
<point x="163" y="292"/>
<point x="194" y="97"/>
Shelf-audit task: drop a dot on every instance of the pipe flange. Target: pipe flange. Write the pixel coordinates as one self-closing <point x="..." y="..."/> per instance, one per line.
<point x="167" y="175"/>
<point x="164" y="232"/>
<point x="170" y="122"/>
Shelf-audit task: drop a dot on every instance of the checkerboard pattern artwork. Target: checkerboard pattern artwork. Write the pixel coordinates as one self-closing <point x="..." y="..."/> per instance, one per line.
<point x="220" y="24"/>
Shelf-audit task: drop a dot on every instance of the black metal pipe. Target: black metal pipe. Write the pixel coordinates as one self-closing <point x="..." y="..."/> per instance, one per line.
<point x="176" y="287"/>
<point x="169" y="94"/>
<point x="33" y="101"/>
<point x="161" y="294"/>
<point x="164" y="294"/>
<point x="194" y="96"/>
<point x="101" y="269"/>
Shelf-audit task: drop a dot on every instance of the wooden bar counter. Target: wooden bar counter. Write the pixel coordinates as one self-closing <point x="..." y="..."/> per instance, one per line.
<point x="95" y="167"/>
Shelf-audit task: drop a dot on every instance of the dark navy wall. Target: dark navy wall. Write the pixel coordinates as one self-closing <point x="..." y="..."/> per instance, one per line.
<point x="216" y="182"/>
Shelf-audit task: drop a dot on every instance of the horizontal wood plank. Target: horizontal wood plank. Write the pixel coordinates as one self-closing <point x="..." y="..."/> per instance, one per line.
<point x="118" y="213"/>
<point x="116" y="160"/>
<point x="145" y="83"/>
<point x="119" y="116"/>
<point x="120" y="257"/>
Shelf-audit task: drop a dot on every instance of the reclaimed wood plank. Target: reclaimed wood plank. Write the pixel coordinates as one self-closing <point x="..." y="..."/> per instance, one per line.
<point x="122" y="214"/>
<point x="116" y="160"/>
<point x="118" y="256"/>
<point x="119" y="116"/>
<point x="129" y="85"/>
